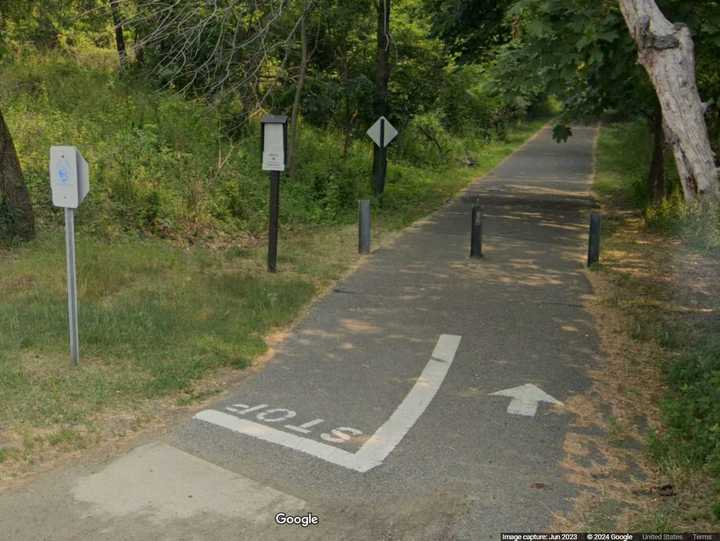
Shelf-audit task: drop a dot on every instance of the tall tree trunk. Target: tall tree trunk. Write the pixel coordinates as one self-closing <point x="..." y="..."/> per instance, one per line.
<point x="16" y="213"/>
<point x="119" y="37"/>
<point x="382" y="78"/>
<point x="349" y="115"/>
<point x="292" y="148"/>
<point x="348" y="129"/>
<point x="656" y="176"/>
<point x="666" y="51"/>
<point x="139" y="47"/>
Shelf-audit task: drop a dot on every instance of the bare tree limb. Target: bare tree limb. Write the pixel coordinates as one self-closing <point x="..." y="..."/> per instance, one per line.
<point x="666" y="51"/>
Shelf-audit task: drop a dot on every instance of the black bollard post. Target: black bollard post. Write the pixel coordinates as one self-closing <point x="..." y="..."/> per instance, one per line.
<point x="364" y="226"/>
<point x="476" y="233"/>
<point x="274" y="219"/>
<point x="594" y="241"/>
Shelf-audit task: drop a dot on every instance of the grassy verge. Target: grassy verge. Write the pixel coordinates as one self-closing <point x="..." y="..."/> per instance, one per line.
<point x="159" y="320"/>
<point x="662" y="282"/>
<point x="154" y="319"/>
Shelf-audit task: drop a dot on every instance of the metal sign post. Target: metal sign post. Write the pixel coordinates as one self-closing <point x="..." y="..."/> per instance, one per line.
<point x="381" y="170"/>
<point x="273" y="147"/>
<point x="70" y="184"/>
<point x="72" y="285"/>
<point x="382" y="133"/>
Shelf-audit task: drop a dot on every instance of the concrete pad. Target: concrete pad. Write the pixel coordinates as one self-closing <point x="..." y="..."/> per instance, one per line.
<point x="164" y="484"/>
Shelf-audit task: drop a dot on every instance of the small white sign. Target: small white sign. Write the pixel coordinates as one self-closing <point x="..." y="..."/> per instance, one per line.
<point x="375" y="132"/>
<point x="273" y="158"/>
<point x="69" y="176"/>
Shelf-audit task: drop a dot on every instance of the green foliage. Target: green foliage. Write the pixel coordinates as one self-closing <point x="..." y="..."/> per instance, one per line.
<point x="698" y="226"/>
<point x="327" y="187"/>
<point x="331" y="101"/>
<point x="421" y="66"/>
<point x="134" y="142"/>
<point x="340" y="89"/>
<point x="623" y="154"/>
<point x="580" y="51"/>
<point x="54" y="23"/>
<point x="425" y="141"/>
<point x="206" y="144"/>
<point x="692" y="415"/>
<point x="470" y="105"/>
<point x="471" y="28"/>
<point x="160" y="166"/>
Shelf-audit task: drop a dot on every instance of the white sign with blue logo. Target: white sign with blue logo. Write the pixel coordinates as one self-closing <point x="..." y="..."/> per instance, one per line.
<point x="69" y="177"/>
<point x="70" y="183"/>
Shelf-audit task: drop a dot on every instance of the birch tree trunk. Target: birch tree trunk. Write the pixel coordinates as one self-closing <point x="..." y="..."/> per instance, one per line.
<point x="16" y="213"/>
<point x="667" y="53"/>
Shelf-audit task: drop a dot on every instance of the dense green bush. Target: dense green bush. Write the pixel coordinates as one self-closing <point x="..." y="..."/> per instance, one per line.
<point x="134" y="138"/>
<point x="470" y="104"/>
<point x="157" y="163"/>
<point x="425" y="140"/>
<point x="165" y="165"/>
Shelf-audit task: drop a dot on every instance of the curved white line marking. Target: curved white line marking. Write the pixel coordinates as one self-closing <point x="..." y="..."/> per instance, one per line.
<point x="386" y="438"/>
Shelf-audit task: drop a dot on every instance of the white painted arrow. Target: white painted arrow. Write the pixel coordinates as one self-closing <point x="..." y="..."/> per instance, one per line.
<point x="525" y="399"/>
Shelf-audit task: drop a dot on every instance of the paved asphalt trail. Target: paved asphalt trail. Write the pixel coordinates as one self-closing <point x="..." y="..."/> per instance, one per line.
<point x="345" y="427"/>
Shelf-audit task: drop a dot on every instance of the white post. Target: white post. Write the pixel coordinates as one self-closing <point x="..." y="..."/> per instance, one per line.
<point x="72" y="285"/>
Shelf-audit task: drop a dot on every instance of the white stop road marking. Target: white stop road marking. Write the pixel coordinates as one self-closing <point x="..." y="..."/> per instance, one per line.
<point x="338" y="435"/>
<point x="377" y="448"/>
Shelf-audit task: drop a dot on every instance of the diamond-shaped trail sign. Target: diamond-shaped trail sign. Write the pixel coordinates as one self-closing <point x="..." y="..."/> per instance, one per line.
<point x="390" y="131"/>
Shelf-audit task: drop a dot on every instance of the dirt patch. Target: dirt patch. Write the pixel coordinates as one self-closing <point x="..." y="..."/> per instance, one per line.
<point x="603" y="450"/>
